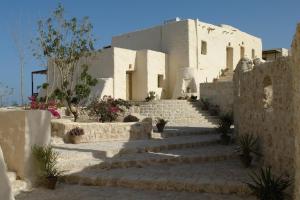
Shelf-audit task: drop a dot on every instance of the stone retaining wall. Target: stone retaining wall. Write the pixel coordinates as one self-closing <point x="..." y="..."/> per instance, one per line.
<point x="97" y="132"/>
<point x="263" y="107"/>
<point x="218" y="93"/>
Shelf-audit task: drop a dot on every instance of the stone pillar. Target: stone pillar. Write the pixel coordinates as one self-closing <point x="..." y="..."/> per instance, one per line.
<point x="19" y="131"/>
<point x="296" y="105"/>
<point x="5" y="188"/>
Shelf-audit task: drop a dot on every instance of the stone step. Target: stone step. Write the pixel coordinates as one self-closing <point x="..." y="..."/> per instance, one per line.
<point x="184" y="130"/>
<point x="12" y="176"/>
<point x="17" y="185"/>
<point x="221" y="177"/>
<point x="178" y="156"/>
<point x="80" y="192"/>
<point x="113" y="148"/>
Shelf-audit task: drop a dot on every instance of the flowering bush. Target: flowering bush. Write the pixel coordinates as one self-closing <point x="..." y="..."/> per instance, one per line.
<point x="107" y="109"/>
<point x="51" y="106"/>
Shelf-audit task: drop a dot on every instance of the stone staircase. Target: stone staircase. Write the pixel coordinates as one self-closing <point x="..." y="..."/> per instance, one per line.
<point x="192" y="164"/>
<point x="177" y="112"/>
<point x="226" y="76"/>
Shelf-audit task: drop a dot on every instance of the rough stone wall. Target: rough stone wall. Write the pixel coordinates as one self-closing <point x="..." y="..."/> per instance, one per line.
<point x="218" y="93"/>
<point x="296" y="106"/>
<point x="97" y="132"/>
<point x="263" y="106"/>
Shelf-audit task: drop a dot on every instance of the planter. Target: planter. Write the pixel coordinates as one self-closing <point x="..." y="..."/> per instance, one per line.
<point x="160" y="127"/>
<point x="51" y="182"/>
<point x="246" y="160"/>
<point x="75" y="139"/>
<point x="225" y="139"/>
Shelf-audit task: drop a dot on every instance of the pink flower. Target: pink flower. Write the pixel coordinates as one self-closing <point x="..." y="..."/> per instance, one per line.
<point x="54" y="113"/>
<point x="114" y="109"/>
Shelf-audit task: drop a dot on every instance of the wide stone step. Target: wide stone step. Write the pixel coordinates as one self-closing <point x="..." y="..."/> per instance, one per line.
<point x="222" y="177"/>
<point x="113" y="148"/>
<point x="79" y="192"/>
<point x="184" y="130"/>
<point x="179" y="156"/>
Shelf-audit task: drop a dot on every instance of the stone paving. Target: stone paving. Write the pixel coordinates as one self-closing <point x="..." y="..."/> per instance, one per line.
<point x="78" y="192"/>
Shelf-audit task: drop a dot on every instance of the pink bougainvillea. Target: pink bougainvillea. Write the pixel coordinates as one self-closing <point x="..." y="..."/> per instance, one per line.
<point x="51" y="106"/>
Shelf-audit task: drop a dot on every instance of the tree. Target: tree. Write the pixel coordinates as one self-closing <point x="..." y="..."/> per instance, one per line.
<point x="65" y="42"/>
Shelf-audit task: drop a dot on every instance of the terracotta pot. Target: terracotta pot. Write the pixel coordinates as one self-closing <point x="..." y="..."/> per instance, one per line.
<point x="225" y="139"/>
<point x="160" y="127"/>
<point x="246" y="160"/>
<point x="75" y="139"/>
<point x="51" y="182"/>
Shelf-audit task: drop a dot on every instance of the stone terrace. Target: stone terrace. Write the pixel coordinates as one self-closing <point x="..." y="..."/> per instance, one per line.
<point x="184" y="162"/>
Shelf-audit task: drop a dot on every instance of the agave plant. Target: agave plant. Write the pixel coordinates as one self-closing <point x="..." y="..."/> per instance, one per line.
<point x="160" y="124"/>
<point x="224" y="124"/>
<point x="46" y="160"/>
<point x="266" y="186"/>
<point x="247" y="145"/>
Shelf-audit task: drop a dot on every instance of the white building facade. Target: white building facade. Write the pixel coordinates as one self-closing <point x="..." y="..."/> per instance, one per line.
<point x="171" y="59"/>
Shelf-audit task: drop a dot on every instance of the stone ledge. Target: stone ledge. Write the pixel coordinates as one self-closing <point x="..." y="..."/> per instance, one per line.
<point x="97" y="132"/>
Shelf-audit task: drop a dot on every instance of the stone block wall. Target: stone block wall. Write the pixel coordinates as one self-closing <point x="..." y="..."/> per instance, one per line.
<point x="19" y="131"/>
<point x="218" y="93"/>
<point x="97" y="132"/>
<point x="296" y="106"/>
<point x="263" y="107"/>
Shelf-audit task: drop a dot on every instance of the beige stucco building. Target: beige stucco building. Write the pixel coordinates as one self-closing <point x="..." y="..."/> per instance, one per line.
<point x="171" y="59"/>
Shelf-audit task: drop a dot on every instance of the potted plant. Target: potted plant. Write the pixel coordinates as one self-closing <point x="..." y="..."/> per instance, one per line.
<point x="247" y="145"/>
<point x="75" y="135"/>
<point x="130" y="118"/>
<point x="160" y="124"/>
<point x="204" y="104"/>
<point x="224" y="124"/>
<point x="151" y="96"/>
<point x="265" y="185"/>
<point x="46" y="160"/>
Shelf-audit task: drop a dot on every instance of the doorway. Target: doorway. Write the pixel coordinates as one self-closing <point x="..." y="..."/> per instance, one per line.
<point x="128" y="85"/>
<point x="229" y="58"/>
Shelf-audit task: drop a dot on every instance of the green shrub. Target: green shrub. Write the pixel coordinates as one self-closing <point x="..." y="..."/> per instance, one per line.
<point x="46" y="160"/>
<point x="107" y="109"/>
<point x="266" y="186"/>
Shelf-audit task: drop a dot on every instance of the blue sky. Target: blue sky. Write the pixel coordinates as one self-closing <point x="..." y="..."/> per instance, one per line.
<point x="272" y="20"/>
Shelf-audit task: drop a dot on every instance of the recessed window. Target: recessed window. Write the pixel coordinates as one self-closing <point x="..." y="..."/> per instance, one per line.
<point x="253" y="54"/>
<point x="268" y="93"/>
<point x="160" y="80"/>
<point x="203" y="47"/>
<point x="242" y="51"/>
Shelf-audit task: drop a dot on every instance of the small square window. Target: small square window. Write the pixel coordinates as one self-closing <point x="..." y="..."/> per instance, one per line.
<point x="203" y="47"/>
<point x="160" y="80"/>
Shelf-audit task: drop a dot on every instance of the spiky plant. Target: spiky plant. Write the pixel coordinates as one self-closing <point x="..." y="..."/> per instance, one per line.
<point x="247" y="144"/>
<point x="46" y="160"/>
<point x="266" y="186"/>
